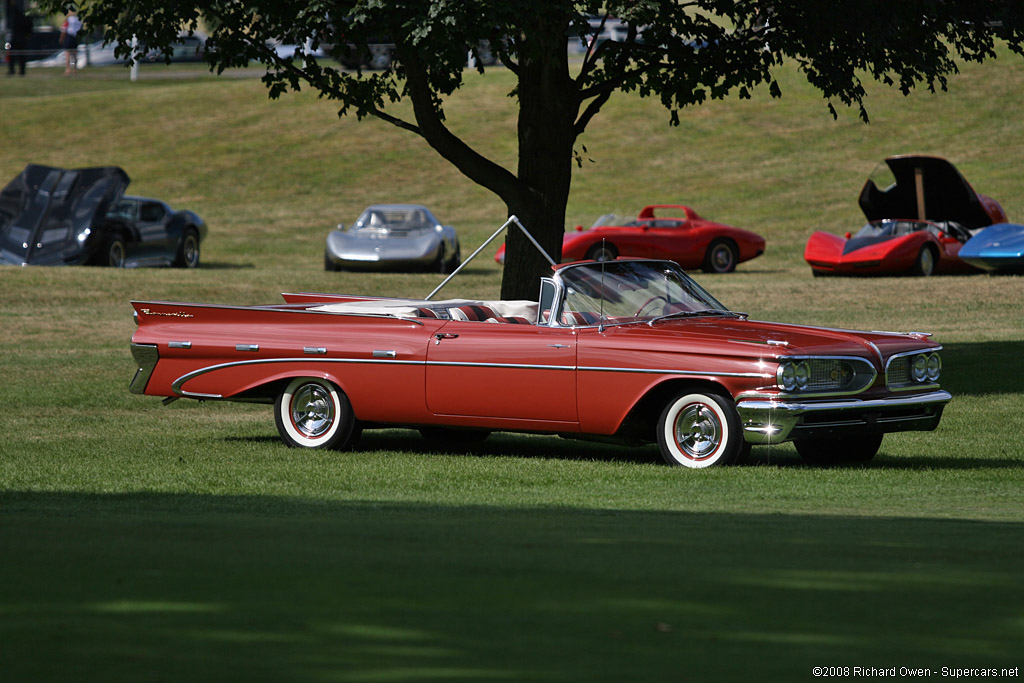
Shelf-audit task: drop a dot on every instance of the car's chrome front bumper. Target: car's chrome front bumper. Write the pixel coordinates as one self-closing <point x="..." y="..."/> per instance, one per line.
<point x="773" y="421"/>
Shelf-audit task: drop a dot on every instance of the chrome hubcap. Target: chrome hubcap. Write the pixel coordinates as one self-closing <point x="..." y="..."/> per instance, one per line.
<point x="927" y="262"/>
<point x="312" y="410"/>
<point x="722" y="258"/>
<point x="698" y="431"/>
<point x="191" y="251"/>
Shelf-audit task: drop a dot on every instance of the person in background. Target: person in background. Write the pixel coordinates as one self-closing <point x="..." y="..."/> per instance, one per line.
<point x="69" y="41"/>
<point x="21" y="36"/>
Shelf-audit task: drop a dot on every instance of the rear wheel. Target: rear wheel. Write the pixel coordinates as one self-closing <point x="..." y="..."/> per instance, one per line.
<point x="925" y="263"/>
<point x="188" y="250"/>
<point x="602" y="251"/>
<point x="113" y="253"/>
<point x="314" y="413"/>
<point x="721" y="257"/>
<point x="832" y="451"/>
<point x="454" y="261"/>
<point x="700" y="430"/>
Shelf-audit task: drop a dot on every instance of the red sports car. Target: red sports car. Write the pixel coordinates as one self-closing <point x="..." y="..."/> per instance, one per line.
<point x="667" y="231"/>
<point x="916" y="225"/>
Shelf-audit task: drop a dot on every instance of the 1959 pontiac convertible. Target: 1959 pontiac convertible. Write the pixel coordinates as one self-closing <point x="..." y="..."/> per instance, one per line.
<point x="632" y="350"/>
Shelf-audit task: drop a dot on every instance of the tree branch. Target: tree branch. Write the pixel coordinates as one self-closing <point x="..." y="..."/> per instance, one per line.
<point x="431" y="128"/>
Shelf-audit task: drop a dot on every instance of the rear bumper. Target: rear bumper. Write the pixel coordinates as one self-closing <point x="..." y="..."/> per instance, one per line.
<point x="768" y="421"/>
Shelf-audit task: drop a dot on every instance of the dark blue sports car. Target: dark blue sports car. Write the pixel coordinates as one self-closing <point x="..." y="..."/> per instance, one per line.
<point x="54" y="217"/>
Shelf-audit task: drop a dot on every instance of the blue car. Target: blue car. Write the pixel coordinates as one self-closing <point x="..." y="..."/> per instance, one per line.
<point x="998" y="248"/>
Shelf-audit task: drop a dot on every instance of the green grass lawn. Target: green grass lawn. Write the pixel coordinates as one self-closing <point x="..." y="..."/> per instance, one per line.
<point x="142" y="542"/>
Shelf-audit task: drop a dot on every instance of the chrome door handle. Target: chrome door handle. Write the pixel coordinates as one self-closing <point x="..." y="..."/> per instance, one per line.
<point x="443" y="335"/>
<point x="559" y="346"/>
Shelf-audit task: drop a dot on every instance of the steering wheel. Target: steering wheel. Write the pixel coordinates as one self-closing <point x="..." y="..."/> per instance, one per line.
<point x="647" y="303"/>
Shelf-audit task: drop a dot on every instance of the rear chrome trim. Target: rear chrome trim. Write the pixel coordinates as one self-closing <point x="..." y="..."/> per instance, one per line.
<point x="146" y="356"/>
<point x="693" y="373"/>
<point x="179" y="345"/>
<point x="178" y="383"/>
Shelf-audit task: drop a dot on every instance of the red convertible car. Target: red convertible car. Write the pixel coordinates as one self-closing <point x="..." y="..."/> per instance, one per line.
<point x="671" y="232"/>
<point x="916" y="225"/>
<point x="631" y="350"/>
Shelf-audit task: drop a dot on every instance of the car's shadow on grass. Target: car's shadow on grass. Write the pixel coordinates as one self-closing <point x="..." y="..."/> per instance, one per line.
<point x="225" y="265"/>
<point x="983" y="367"/>
<point x="542" y="447"/>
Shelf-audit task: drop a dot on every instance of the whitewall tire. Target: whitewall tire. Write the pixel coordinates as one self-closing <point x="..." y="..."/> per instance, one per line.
<point x="314" y="413"/>
<point x="700" y="430"/>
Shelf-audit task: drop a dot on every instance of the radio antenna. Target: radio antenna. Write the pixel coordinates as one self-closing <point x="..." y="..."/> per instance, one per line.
<point x="600" y="326"/>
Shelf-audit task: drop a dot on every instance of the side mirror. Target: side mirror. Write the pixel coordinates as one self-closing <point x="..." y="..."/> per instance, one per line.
<point x="848" y="235"/>
<point x="341" y="227"/>
<point x="579" y="228"/>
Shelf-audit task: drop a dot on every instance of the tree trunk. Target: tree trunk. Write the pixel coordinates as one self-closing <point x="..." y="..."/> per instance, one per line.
<point x="548" y="106"/>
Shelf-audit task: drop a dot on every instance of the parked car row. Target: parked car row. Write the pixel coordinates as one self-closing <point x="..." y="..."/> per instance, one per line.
<point x="925" y="219"/>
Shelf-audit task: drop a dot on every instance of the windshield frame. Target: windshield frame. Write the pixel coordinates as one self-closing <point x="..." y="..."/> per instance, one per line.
<point x="615" y="287"/>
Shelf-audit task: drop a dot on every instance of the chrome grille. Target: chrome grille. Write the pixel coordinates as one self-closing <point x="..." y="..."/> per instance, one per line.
<point x="899" y="371"/>
<point x="831" y="375"/>
<point x="828" y="374"/>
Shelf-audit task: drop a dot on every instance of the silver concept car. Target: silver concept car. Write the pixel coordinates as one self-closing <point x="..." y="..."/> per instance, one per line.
<point x="393" y="237"/>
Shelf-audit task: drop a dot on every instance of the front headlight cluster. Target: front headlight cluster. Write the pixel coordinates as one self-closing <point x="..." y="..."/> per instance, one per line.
<point x="793" y="376"/>
<point x="825" y="375"/>
<point x="926" y="367"/>
<point x="912" y="369"/>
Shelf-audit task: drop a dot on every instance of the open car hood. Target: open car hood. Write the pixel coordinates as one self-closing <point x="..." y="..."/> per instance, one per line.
<point x="926" y="188"/>
<point x="46" y="211"/>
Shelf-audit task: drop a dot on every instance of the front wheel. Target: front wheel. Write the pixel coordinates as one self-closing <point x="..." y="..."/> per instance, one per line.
<point x="329" y="265"/>
<point x="314" y="413"/>
<point x="700" y="430"/>
<point x="832" y="451"/>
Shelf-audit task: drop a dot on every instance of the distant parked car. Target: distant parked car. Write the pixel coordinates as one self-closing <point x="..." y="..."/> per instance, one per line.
<point x="918" y="221"/>
<point x="393" y="237"/>
<point x="54" y="216"/>
<point x="672" y="232"/>
<point x="998" y="248"/>
<point x="187" y="48"/>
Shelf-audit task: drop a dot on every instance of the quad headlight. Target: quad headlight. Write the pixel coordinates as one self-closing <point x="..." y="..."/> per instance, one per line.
<point x="825" y="375"/>
<point x="909" y="370"/>
<point x="793" y="376"/>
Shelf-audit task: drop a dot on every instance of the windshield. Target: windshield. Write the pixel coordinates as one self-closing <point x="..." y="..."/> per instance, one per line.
<point x="382" y="220"/>
<point x="628" y="291"/>
<point x="890" y="228"/>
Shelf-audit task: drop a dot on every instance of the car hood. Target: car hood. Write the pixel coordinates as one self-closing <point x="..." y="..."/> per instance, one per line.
<point x="739" y="337"/>
<point x="944" y="194"/>
<point x="46" y="211"/>
<point x="1004" y="240"/>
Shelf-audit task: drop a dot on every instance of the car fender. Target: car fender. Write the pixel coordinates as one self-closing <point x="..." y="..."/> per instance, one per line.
<point x="824" y="246"/>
